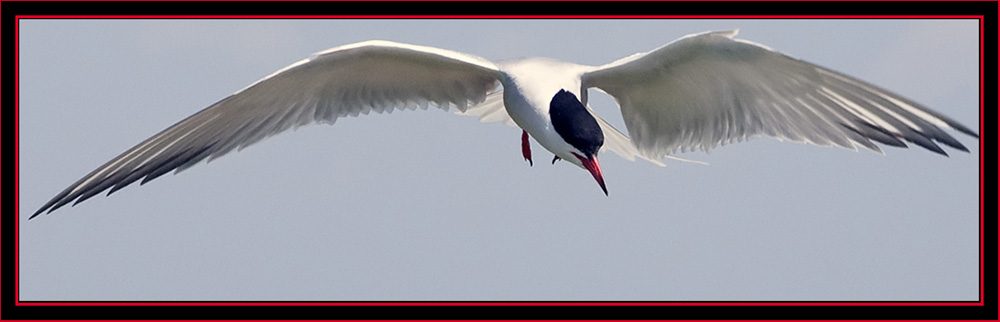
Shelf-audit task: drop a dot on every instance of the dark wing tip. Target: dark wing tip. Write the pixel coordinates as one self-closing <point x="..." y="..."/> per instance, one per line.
<point x="962" y="128"/>
<point x="79" y="192"/>
<point x="38" y="212"/>
<point x="926" y="140"/>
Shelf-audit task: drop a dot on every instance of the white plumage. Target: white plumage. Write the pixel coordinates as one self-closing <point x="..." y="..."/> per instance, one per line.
<point x="695" y="93"/>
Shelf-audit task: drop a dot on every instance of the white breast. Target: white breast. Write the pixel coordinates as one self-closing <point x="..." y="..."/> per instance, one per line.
<point x="529" y="85"/>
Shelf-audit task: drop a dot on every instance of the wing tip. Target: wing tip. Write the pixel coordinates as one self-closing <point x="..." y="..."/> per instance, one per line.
<point x="38" y="212"/>
<point x="880" y="135"/>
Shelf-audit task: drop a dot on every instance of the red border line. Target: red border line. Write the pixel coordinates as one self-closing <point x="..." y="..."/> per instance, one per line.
<point x="982" y="228"/>
<point x="17" y="162"/>
<point x="559" y="17"/>
<point x="511" y="303"/>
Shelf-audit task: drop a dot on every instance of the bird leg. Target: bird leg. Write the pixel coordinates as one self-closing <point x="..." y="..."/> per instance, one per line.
<point x="526" y="148"/>
<point x="555" y="158"/>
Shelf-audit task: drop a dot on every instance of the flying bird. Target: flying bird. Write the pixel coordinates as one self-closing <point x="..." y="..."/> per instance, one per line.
<point x="695" y="93"/>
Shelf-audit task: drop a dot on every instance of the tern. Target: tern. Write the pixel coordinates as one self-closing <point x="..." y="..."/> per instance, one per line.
<point x="695" y="93"/>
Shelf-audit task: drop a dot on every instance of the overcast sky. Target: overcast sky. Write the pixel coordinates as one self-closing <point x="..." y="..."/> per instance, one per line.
<point x="427" y="205"/>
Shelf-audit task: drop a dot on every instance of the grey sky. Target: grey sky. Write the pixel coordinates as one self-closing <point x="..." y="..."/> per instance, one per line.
<point x="430" y="206"/>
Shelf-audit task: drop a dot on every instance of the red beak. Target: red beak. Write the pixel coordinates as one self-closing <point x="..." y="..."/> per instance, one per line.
<point x="591" y="165"/>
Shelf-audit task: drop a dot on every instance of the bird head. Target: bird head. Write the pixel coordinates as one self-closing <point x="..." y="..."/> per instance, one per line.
<point x="574" y="123"/>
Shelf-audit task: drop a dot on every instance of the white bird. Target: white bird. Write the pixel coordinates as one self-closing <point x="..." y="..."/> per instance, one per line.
<point x="695" y="93"/>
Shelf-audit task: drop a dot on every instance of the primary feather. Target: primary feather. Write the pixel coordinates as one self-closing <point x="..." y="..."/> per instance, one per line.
<point x="695" y="93"/>
<point x="709" y="89"/>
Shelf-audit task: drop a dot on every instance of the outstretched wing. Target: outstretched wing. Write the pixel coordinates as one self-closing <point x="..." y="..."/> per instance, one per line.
<point x="349" y="80"/>
<point x="708" y="89"/>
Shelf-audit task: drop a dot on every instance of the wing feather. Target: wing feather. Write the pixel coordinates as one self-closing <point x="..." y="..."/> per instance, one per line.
<point x="709" y="89"/>
<point x="344" y="81"/>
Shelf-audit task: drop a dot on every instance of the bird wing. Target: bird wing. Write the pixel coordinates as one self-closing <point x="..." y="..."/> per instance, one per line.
<point x="708" y="89"/>
<point x="490" y="110"/>
<point x="349" y="80"/>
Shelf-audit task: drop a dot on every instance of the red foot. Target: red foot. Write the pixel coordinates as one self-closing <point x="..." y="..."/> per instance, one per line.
<point x="526" y="148"/>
